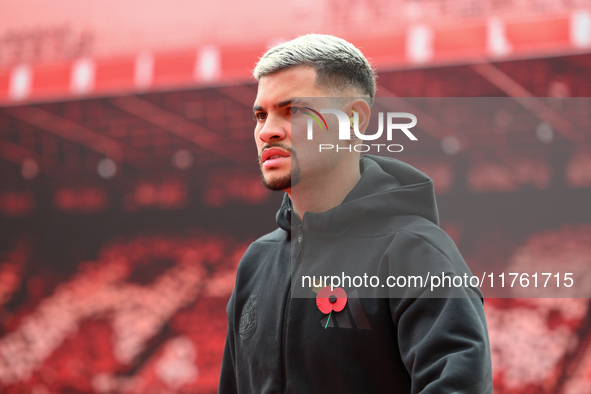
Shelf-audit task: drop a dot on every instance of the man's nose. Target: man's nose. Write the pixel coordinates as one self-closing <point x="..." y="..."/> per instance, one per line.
<point x="273" y="130"/>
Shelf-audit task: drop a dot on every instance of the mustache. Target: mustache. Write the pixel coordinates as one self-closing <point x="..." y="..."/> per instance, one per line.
<point x="291" y="151"/>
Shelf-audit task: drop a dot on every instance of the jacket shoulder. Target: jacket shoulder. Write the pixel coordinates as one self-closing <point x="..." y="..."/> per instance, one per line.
<point x="262" y="252"/>
<point x="431" y="234"/>
<point x="279" y="235"/>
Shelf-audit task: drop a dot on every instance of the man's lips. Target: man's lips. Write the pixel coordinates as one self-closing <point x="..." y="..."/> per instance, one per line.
<point x="272" y="157"/>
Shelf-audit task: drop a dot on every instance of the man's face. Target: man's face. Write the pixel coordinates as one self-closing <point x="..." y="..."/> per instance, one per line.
<point x="273" y="109"/>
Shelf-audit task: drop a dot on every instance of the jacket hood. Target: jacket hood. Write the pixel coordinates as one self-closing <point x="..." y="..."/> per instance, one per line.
<point x="387" y="187"/>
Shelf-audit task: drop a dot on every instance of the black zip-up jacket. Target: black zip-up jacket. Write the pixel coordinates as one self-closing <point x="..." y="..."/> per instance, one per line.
<point x="279" y="341"/>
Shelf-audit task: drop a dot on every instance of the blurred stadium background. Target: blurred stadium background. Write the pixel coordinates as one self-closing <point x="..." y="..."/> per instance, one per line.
<point x="129" y="188"/>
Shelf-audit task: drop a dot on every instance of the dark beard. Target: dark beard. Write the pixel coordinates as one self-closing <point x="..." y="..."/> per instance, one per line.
<point x="283" y="183"/>
<point x="287" y="181"/>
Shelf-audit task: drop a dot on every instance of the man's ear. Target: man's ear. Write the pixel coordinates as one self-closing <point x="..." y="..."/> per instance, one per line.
<point x="362" y="109"/>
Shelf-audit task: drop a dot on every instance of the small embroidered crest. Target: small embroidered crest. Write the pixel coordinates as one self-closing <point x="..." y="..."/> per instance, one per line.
<point x="248" y="318"/>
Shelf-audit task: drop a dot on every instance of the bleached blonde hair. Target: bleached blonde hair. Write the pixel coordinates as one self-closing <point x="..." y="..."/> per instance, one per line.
<point x="339" y="65"/>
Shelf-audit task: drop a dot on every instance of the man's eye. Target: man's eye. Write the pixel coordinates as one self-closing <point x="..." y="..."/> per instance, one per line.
<point x="259" y="117"/>
<point x="294" y="110"/>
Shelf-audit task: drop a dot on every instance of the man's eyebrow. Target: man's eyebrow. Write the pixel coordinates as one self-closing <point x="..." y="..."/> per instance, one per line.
<point x="279" y="105"/>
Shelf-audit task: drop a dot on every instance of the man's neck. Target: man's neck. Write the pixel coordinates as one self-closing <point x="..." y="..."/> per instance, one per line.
<point x="321" y="196"/>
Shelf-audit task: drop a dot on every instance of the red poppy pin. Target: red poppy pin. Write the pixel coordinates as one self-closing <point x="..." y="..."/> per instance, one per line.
<point x="329" y="300"/>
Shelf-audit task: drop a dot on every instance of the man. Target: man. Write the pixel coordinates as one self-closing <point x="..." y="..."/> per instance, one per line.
<point x="368" y="214"/>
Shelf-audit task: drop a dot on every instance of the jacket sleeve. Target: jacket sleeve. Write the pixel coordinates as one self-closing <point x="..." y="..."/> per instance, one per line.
<point x="443" y="342"/>
<point x="228" y="384"/>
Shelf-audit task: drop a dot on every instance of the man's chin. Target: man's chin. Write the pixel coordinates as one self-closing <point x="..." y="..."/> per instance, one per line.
<point x="277" y="183"/>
